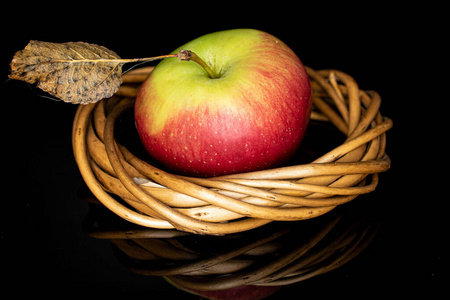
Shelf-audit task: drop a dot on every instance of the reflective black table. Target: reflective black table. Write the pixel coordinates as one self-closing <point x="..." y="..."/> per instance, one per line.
<point x="56" y="241"/>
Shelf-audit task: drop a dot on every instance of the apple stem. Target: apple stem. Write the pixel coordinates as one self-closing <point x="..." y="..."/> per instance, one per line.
<point x="185" y="55"/>
<point x="188" y="55"/>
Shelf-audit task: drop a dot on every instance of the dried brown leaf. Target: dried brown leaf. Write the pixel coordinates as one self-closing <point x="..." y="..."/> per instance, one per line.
<point x="78" y="72"/>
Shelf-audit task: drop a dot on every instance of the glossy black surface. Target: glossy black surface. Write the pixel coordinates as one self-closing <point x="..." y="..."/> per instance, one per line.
<point x="45" y="249"/>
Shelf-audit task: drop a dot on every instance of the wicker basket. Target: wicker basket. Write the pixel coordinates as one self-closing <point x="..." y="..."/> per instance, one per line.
<point x="153" y="198"/>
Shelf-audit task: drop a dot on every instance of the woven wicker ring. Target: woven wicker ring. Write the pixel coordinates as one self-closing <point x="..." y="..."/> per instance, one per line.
<point x="153" y="198"/>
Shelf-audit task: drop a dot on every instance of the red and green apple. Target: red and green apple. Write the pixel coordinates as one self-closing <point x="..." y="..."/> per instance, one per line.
<point x="247" y="110"/>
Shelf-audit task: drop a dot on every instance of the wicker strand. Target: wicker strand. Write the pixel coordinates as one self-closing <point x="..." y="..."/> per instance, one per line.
<point x="239" y="202"/>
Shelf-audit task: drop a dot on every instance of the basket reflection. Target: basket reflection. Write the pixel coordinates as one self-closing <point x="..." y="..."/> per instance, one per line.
<point x="277" y="254"/>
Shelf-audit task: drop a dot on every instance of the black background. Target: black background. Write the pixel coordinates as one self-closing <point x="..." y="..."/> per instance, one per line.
<point x="393" y="51"/>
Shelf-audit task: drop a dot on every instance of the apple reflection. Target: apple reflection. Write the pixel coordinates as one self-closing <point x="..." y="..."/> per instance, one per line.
<point x="252" y="264"/>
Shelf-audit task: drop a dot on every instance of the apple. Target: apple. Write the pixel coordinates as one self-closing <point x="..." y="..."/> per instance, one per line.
<point x="245" y="109"/>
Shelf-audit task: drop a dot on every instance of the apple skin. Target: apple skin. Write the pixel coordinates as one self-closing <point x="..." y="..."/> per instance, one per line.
<point x="253" y="116"/>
